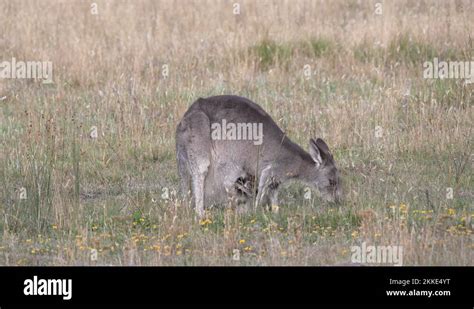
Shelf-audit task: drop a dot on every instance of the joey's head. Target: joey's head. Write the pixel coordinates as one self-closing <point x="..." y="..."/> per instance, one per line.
<point x="324" y="174"/>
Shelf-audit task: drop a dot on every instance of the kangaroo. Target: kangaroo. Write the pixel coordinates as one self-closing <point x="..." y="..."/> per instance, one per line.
<point x="213" y="164"/>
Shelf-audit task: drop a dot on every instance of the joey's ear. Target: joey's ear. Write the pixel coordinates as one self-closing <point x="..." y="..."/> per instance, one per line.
<point x="315" y="153"/>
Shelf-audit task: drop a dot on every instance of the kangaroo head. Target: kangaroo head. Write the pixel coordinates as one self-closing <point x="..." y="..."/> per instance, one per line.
<point x="324" y="175"/>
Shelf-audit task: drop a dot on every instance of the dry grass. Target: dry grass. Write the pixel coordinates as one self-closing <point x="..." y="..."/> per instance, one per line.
<point x="106" y="194"/>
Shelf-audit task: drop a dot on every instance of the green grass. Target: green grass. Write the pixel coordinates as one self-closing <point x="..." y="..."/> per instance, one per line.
<point x="318" y="47"/>
<point x="269" y="53"/>
<point x="109" y="194"/>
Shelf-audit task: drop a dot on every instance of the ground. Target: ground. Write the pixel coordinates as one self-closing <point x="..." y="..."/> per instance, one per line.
<point x="87" y="163"/>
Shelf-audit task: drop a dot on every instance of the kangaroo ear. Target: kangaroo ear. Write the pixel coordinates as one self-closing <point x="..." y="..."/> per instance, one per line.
<point x="315" y="153"/>
<point x="322" y="146"/>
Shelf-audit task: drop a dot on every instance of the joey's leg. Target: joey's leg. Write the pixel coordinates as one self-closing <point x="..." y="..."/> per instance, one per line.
<point x="274" y="194"/>
<point x="265" y="188"/>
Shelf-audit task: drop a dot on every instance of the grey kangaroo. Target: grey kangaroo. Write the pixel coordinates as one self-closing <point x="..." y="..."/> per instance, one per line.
<point x="216" y="161"/>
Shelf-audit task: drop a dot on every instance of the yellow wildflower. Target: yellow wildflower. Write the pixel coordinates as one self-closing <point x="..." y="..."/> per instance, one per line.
<point x="403" y="208"/>
<point x="205" y="222"/>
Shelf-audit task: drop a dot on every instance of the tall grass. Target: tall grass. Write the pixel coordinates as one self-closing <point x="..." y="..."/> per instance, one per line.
<point x="117" y="193"/>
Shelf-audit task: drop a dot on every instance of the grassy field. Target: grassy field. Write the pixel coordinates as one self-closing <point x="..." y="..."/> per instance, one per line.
<point x="341" y="70"/>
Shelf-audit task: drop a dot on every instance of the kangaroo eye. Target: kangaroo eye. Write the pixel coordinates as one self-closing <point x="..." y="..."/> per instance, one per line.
<point x="332" y="183"/>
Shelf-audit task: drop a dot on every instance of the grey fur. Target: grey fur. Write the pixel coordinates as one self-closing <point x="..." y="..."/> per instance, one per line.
<point x="213" y="170"/>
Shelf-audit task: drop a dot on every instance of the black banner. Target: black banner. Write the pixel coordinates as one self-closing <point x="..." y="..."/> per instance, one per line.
<point x="443" y="287"/>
